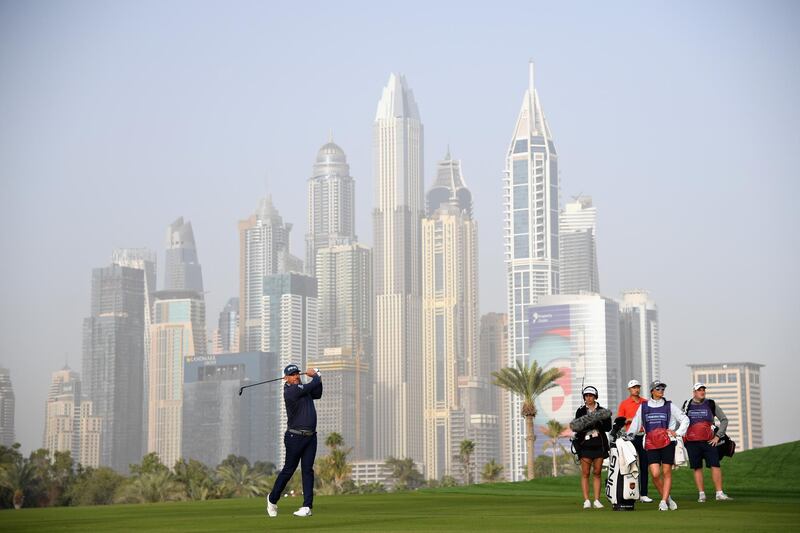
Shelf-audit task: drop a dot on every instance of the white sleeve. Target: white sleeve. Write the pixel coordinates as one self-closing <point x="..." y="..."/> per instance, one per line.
<point x="636" y="423"/>
<point x="679" y="422"/>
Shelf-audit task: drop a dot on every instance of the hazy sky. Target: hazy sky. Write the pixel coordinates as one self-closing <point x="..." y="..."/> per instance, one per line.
<point x="679" y="118"/>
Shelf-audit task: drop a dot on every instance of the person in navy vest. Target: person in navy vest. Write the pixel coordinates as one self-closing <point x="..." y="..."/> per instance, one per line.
<point x="300" y="438"/>
<point x="702" y="440"/>
<point x="663" y="423"/>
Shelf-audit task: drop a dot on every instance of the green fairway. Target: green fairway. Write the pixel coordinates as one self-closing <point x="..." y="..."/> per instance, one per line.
<point x="765" y="484"/>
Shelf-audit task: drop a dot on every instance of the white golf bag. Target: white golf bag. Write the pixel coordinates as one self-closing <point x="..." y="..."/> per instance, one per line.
<point x="622" y="483"/>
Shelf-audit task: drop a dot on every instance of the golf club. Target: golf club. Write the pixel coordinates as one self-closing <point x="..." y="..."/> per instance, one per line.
<point x="241" y="389"/>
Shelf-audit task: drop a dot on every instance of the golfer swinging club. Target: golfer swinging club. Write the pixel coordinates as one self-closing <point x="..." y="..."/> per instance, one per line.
<point x="300" y="438"/>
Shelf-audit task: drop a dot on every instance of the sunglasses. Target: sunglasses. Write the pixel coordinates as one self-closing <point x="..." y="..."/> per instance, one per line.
<point x="660" y="389"/>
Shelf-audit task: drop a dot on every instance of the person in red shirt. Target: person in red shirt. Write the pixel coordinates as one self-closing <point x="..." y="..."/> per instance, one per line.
<point x="628" y="408"/>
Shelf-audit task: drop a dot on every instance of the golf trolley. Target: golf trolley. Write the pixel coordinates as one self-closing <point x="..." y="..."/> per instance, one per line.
<point x="622" y="484"/>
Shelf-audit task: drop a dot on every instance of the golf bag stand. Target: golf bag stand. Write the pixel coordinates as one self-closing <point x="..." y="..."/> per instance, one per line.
<point x="622" y="490"/>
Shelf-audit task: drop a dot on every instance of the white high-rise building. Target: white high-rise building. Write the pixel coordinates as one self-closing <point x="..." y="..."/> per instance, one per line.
<point x="398" y="146"/>
<point x="263" y="251"/>
<point x="579" y="335"/>
<point x="331" y="199"/>
<point x="178" y="332"/>
<point x="736" y="388"/>
<point x="69" y="424"/>
<point x="450" y="319"/>
<point x="639" y="337"/>
<point x="7" y="408"/>
<point x="531" y="212"/>
<point x="578" y="238"/>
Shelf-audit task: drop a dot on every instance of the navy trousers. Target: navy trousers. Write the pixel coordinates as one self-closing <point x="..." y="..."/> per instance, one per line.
<point x="638" y="443"/>
<point x="299" y="449"/>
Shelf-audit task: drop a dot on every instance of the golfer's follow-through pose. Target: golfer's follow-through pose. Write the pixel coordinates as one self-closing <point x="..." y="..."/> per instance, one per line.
<point x="300" y="438"/>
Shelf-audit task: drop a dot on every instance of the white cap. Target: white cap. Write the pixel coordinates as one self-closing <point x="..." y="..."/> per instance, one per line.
<point x="634" y="383"/>
<point x="698" y="386"/>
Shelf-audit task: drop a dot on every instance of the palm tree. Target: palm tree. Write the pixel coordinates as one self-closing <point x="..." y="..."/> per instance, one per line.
<point x="16" y="476"/>
<point x="152" y="487"/>
<point x="241" y="480"/>
<point x="555" y="431"/>
<point x="491" y="472"/>
<point x="527" y="383"/>
<point x="466" y="450"/>
<point x="334" y="468"/>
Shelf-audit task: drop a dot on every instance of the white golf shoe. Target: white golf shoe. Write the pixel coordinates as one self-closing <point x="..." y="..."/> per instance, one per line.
<point x="303" y="511"/>
<point x="272" y="509"/>
<point x="662" y="506"/>
<point x="597" y="504"/>
<point x="672" y="505"/>
<point x="587" y="504"/>
<point x="646" y="499"/>
<point x="723" y="496"/>
<point x="701" y="497"/>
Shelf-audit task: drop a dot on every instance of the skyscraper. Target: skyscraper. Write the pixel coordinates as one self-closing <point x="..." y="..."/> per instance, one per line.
<point x="346" y="307"/>
<point x="345" y="408"/>
<point x="579" y="335"/>
<point x="331" y="203"/>
<point x="639" y="337"/>
<point x="289" y="329"/>
<point x="178" y="332"/>
<point x="69" y="423"/>
<point x="145" y="260"/>
<point x="217" y="421"/>
<point x="263" y="251"/>
<point x="7" y="405"/>
<point x="398" y="146"/>
<point x="736" y="387"/>
<point x="226" y="336"/>
<point x="182" y="269"/>
<point x="578" y="243"/>
<point x="450" y="318"/>
<point x="531" y="208"/>
<point x="494" y="356"/>
<point x="113" y="361"/>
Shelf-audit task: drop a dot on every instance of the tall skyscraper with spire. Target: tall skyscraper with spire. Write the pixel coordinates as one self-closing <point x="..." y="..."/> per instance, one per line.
<point x="183" y="270"/>
<point x="263" y="251"/>
<point x="331" y="198"/>
<point x="398" y="159"/>
<point x="450" y="318"/>
<point x="531" y="209"/>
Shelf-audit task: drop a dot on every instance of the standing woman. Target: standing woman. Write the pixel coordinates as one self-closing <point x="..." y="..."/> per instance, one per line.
<point x="662" y="423"/>
<point x="591" y="424"/>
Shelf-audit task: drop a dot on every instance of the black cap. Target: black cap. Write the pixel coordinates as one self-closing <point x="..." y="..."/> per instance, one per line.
<point x="291" y="370"/>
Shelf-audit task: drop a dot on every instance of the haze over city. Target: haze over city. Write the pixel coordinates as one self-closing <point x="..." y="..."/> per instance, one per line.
<point x="677" y="119"/>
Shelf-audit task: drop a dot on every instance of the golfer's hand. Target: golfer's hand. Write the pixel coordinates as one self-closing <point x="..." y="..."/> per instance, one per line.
<point x="311" y="372"/>
<point x="671" y="433"/>
<point x="714" y="441"/>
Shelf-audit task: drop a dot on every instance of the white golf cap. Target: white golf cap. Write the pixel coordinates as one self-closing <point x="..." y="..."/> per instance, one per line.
<point x="698" y="386"/>
<point x="634" y="383"/>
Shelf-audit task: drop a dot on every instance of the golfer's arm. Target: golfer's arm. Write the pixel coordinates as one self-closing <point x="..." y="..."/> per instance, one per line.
<point x="636" y="423"/>
<point x="314" y="387"/>
<point x="680" y="420"/>
<point x="723" y="420"/>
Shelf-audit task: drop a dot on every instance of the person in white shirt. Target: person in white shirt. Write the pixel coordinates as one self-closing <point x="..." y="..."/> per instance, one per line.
<point x="663" y="423"/>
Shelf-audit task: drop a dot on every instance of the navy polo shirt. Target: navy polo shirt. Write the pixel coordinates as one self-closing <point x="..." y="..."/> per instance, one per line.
<point x="299" y="400"/>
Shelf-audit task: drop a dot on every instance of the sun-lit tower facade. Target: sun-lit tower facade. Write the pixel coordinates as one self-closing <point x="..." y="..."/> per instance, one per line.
<point x="450" y="318"/>
<point x="398" y="160"/>
<point x="531" y="210"/>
